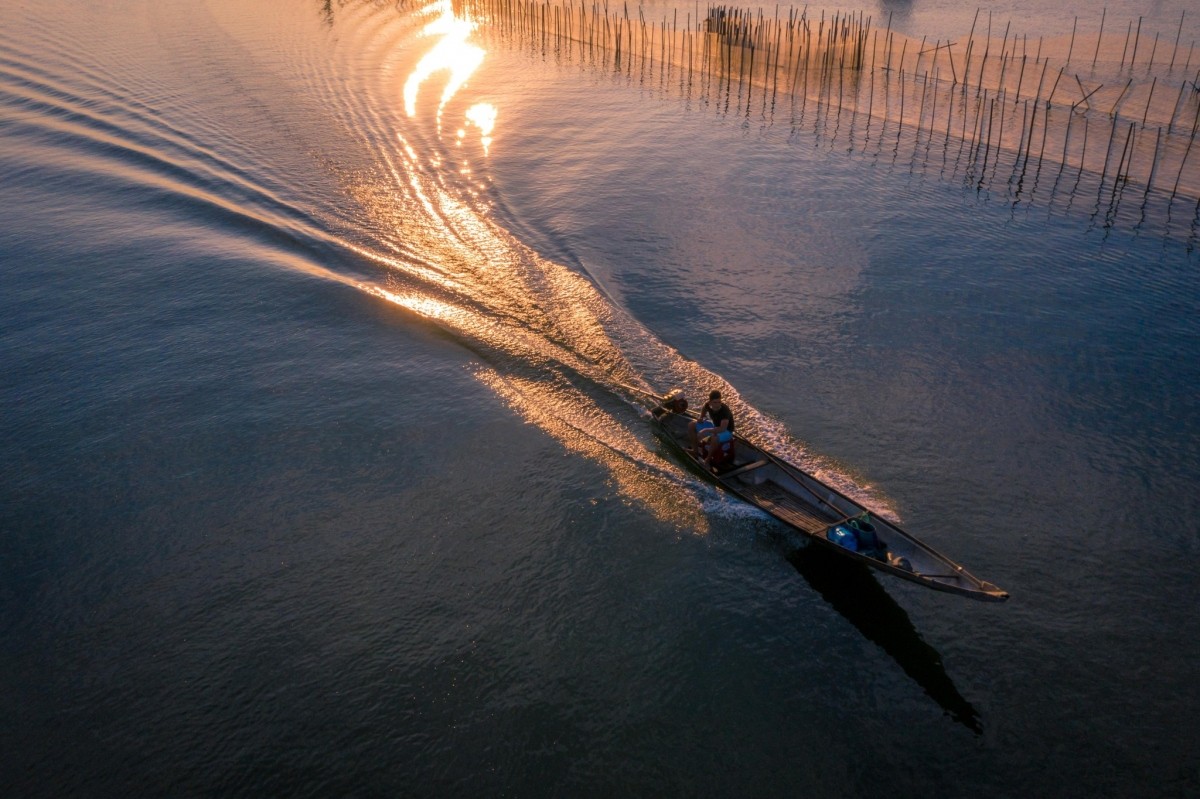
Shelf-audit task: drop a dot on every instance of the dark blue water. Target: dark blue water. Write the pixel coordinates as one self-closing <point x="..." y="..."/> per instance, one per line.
<point x="318" y="479"/>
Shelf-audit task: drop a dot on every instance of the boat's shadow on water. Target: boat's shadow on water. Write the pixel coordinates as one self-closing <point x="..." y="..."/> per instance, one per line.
<point x="855" y="593"/>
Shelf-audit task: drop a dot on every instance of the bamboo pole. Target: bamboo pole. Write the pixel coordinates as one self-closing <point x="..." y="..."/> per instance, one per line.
<point x="1100" y="36"/>
<point x="1175" y="49"/>
<point x="1148" y="100"/>
<point x="1133" y="56"/>
<point x="1020" y="80"/>
<point x="1050" y="98"/>
<point x="1125" y="49"/>
<point x="970" y="45"/>
<point x="1153" y="165"/>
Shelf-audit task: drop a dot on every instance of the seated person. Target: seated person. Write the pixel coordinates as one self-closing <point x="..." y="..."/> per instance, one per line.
<point x="674" y="402"/>
<point x="715" y="426"/>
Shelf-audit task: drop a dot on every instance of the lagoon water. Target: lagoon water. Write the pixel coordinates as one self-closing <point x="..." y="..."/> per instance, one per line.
<point x="320" y="477"/>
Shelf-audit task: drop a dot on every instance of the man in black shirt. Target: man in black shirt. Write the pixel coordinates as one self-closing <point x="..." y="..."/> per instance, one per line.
<point x="714" y="426"/>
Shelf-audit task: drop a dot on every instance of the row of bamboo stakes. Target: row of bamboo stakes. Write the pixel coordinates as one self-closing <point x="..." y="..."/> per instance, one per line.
<point x="1131" y="120"/>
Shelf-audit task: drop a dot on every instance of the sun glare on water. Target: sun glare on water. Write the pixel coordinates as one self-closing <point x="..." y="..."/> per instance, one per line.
<point x="454" y="54"/>
<point x="482" y="116"/>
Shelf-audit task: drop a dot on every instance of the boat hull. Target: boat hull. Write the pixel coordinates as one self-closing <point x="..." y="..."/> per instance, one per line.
<point x="824" y="515"/>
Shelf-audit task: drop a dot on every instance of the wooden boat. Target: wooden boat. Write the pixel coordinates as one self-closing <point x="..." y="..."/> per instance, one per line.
<point x="820" y="512"/>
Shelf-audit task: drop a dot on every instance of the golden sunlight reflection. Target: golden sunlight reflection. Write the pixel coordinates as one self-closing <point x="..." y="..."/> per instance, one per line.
<point x="482" y="116"/>
<point x="452" y="53"/>
<point x="575" y="420"/>
<point x="567" y="414"/>
<point x="530" y="346"/>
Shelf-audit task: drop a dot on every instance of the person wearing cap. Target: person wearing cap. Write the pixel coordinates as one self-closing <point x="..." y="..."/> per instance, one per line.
<point x="715" y="422"/>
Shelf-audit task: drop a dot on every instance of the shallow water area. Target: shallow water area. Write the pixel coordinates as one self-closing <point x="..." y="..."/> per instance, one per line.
<point x="321" y="478"/>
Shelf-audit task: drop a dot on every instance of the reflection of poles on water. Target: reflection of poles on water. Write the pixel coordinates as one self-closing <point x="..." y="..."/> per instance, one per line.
<point x="1005" y="107"/>
<point x="855" y="593"/>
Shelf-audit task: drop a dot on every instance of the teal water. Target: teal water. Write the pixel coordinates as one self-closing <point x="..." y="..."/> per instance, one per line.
<point x="319" y="479"/>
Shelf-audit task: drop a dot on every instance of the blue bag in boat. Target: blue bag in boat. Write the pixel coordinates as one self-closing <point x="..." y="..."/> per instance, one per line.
<point x="843" y="536"/>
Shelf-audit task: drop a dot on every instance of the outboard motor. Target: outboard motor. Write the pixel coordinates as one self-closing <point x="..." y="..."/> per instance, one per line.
<point x="674" y="402"/>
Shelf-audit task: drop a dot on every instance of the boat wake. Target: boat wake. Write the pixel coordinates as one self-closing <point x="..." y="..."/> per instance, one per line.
<point x="556" y="346"/>
<point x="359" y="157"/>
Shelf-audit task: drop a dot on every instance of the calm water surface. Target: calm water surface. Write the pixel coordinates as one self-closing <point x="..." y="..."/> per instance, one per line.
<point x="319" y="479"/>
